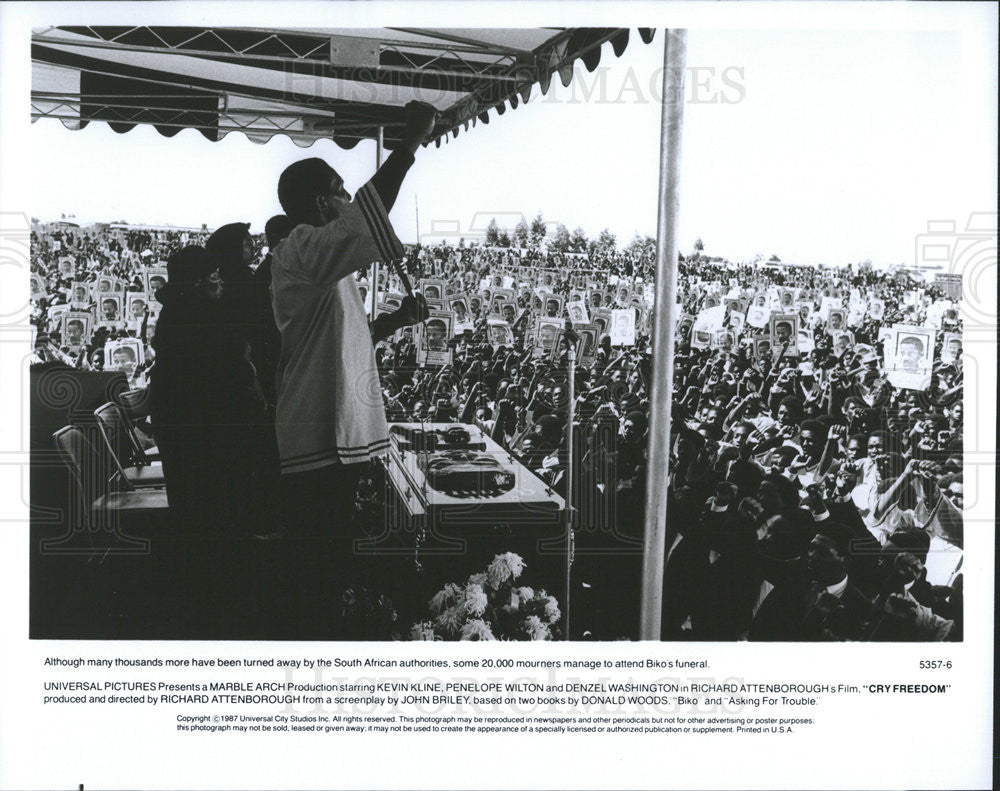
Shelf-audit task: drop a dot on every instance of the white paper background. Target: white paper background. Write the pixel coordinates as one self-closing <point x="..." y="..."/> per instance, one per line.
<point x="916" y="742"/>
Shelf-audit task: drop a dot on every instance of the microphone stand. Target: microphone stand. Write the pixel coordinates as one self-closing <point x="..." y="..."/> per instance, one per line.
<point x="572" y="339"/>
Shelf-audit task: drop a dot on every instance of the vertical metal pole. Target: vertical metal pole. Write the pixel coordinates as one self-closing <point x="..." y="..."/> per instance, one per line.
<point x="373" y="287"/>
<point x="661" y="392"/>
<point x="373" y="291"/>
<point x="571" y="414"/>
<point x="416" y="212"/>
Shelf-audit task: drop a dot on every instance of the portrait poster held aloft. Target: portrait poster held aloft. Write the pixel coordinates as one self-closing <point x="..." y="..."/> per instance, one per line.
<point x="578" y="312"/>
<point x="433" y="347"/>
<point x="109" y="309"/>
<point x="37" y="285"/>
<point x="499" y="333"/>
<point x="75" y="329"/>
<point x="951" y="348"/>
<point x="128" y="356"/>
<point x="785" y="333"/>
<point x="623" y="327"/>
<point x="80" y="295"/>
<point x="546" y="334"/>
<point x="154" y="278"/>
<point x="909" y="355"/>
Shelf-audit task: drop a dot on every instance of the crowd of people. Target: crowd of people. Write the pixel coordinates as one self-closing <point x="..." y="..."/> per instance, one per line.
<point x="815" y="474"/>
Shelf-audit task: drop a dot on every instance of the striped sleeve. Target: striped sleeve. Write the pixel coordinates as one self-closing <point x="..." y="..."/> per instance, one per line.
<point x="388" y="245"/>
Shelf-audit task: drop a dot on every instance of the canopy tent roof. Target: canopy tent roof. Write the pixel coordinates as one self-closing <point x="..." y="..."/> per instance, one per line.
<point x="309" y="84"/>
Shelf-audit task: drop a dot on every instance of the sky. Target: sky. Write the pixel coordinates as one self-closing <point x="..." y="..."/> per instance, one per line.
<point x="818" y="146"/>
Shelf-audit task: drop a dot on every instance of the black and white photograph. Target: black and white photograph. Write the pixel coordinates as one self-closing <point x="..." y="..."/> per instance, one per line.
<point x="75" y="329"/>
<point x="302" y="290"/>
<point x="154" y="278"/>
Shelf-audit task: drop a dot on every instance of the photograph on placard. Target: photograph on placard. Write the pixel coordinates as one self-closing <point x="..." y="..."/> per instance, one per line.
<point x="759" y="313"/>
<point x="553" y="306"/>
<point x="126" y="355"/>
<point x="75" y="328"/>
<point x="434" y="348"/>
<point x="459" y="304"/>
<point x="843" y="342"/>
<point x="109" y="308"/>
<point x="623" y="327"/>
<point x="909" y="355"/>
<point x="135" y="305"/>
<point x="155" y="278"/>
<point x="602" y="318"/>
<point x="623" y="293"/>
<point x="37" y="286"/>
<point x="590" y="335"/>
<point x="104" y="284"/>
<point x="546" y="332"/>
<point x="80" y="298"/>
<point x="737" y="321"/>
<point x="432" y="288"/>
<point x="685" y="321"/>
<point x="784" y="331"/>
<point x="951" y="348"/>
<point x="578" y="313"/>
<point x="763" y="348"/>
<point x="836" y="319"/>
<point x="499" y="333"/>
<point x="67" y="266"/>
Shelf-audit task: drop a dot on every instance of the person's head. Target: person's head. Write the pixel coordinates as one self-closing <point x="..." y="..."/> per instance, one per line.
<point x="435" y="333"/>
<point x="193" y="268"/>
<point x="856" y="447"/>
<point x="460" y="311"/>
<point x="156" y="282"/>
<point x="769" y="496"/>
<point x="312" y="192"/>
<point x="137" y="307"/>
<point x="910" y="351"/>
<point x="813" y="437"/>
<point x="789" y="411"/>
<point x="954" y="348"/>
<point x="80" y="293"/>
<point x="232" y="248"/>
<point x="74" y="330"/>
<point x="124" y="359"/>
<point x="104" y="286"/>
<point x="508" y="312"/>
<point x="853" y="407"/>
<point x="828" y="554"/>
<point x="110" y="308"/>
<point x="836" y="320"/>
<point x="764" y="348"/>
<point x="842" y="344"/>
<point x="432" y="291"/>
<point x="783" y="331"/>
<point x="276" y="229"/>
<point x="551" y="308"/>
<point x="905" y="551"/>
<point x="786" y="298"/>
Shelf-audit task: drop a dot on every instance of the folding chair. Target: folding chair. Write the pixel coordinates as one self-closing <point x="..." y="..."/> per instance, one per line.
<point x="93" y="506"/>
<point x="114" y="432"/>
<point x="134" y="406"/>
